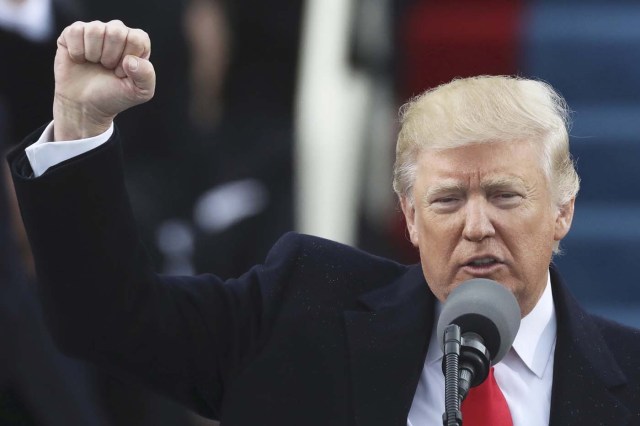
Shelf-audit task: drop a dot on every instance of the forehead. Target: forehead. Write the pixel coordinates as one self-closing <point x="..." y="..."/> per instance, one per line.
<point x="483" y="163"/>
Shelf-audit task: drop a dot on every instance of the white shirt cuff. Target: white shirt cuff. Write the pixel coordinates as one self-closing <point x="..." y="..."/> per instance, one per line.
<point x="43" y="154"/>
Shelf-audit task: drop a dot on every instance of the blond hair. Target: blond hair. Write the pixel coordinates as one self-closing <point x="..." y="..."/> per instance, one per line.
<point x="488" y="109"/>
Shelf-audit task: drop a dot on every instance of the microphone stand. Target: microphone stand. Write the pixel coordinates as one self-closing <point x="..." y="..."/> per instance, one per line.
<point x="466" y="364"/>
<point x="452" y="342"/>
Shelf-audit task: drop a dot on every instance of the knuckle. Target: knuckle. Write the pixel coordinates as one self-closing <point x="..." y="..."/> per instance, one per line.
<point x="116" y="33"/>
<point x="138" y="37"/>
<point x="94" y="29"/>
<point x="75" y="29"/>
<point x="117" y="29"/>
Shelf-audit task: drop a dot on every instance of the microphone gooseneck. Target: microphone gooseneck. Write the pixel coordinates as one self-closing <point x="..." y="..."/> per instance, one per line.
<point x="477" y="326"/>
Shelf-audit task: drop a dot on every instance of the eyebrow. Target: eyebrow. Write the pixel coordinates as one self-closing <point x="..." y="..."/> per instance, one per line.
<point x="444" y="187"/>
<point x="502" y="182"/>
<point x="487" y="185"/>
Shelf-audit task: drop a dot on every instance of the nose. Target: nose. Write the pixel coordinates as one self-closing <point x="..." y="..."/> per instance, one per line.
<point x="478" y="224"/>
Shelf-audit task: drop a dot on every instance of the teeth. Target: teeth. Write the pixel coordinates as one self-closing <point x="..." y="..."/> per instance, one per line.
<point x="484" y="261"/>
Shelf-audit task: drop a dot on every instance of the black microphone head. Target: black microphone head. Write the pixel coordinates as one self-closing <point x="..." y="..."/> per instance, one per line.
<point x="484" y="307"/>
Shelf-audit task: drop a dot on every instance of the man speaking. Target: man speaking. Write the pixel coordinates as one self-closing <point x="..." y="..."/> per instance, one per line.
<point x="322" y="333"/>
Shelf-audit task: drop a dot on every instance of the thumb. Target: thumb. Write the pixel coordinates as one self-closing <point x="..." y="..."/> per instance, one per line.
<point x="142" y="75"/>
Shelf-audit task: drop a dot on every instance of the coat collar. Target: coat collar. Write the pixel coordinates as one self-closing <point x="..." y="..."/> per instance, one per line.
<point x="387" y="342"/>
<point x="585" y="372"/>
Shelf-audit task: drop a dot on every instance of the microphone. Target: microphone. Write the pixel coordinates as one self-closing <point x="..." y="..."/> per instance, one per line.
<point x="477" y="326"/>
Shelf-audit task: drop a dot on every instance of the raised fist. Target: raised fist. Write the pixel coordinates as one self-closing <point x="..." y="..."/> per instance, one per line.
<point x="101" y="69"/>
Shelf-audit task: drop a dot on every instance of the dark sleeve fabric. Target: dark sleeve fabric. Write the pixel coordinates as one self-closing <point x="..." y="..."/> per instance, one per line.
<point x="37" y="384"/>
<point x="184" y="336"/>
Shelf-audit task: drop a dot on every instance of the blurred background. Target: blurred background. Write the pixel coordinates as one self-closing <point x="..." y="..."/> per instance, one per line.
<point x="281" y="115"/>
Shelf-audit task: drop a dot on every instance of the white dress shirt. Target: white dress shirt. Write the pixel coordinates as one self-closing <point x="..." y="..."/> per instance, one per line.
<point x="525" y="374"/>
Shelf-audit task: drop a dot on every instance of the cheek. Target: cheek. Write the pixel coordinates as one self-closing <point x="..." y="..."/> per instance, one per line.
<point x="529" y="235"/>
<point x="438" y="237"/>
<point x="441" y="229"/>
<point x="437" y="246"/>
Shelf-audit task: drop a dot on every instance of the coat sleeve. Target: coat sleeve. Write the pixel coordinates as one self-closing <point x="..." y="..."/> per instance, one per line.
<point x="186" y="337"/>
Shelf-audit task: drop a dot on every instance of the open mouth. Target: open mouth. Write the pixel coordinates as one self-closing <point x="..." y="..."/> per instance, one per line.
<point x="484" y="261"/>
<point x="482" y="266"/>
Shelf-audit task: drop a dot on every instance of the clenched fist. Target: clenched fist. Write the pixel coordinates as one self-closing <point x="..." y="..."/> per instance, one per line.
<point x="101" y="69"/>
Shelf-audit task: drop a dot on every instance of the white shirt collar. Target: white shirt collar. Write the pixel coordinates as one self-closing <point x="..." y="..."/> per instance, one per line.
<point x="536" y="337"/>
<point x="534" y="342"/>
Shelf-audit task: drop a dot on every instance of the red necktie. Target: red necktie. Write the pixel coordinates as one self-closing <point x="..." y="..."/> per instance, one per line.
<point x="485" y="405"/>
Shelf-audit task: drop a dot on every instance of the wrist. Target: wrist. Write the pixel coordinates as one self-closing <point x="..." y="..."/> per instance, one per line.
<point x="73" y="121"/>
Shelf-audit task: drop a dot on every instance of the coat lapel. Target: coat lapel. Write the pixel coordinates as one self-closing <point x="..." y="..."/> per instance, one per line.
<point x="585" y="371"/>
<point x="387" y="342"/>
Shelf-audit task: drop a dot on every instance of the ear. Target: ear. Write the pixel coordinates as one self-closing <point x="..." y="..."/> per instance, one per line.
<point x="410" y="218"/>
<point x="563" y="219"/>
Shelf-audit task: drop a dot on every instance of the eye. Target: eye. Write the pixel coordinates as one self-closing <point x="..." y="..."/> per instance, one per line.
<point x="445" y="200"/>
<point x="445" y="204"/>
<point x="507" y="198"/>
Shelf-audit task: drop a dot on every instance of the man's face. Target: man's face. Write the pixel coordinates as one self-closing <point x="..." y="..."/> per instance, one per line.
<point x="485" y="211"/>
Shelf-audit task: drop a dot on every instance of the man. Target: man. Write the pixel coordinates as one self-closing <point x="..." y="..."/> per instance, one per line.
<point x="321" y="333"/>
